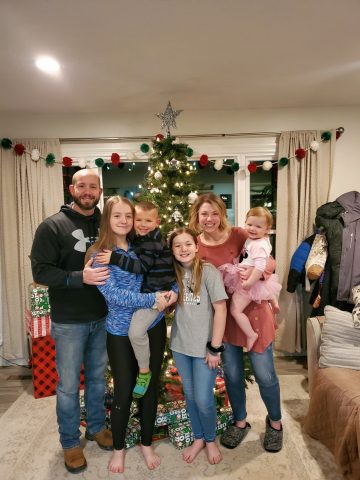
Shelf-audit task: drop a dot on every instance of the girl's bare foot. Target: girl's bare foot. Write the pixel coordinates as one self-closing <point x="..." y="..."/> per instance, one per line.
<point x="190" y="453"/>
<point x="117" y="461"/>
<point x="151" y="459"/>
<point x="250" y="340"/>
<point x="213" y="453"/>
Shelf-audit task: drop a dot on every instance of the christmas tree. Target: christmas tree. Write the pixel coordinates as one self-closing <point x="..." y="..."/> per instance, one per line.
<point x="170" y="181"/>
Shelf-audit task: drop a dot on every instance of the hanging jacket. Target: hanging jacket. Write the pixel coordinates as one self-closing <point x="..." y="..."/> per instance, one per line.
<point x="329" y="216"/>
<point x="349" y="274"/>
<point x="297" y="264"/>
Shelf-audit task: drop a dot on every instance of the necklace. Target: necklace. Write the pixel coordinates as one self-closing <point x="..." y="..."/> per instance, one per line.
<point x="189" y="282"/>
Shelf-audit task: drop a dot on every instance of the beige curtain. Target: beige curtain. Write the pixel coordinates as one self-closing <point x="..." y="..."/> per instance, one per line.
<point x="30" y="191"/>
<point x="303" y="186"/>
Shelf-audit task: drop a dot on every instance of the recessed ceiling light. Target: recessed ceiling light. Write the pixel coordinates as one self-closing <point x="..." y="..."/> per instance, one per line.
<point x="48" y="65"/>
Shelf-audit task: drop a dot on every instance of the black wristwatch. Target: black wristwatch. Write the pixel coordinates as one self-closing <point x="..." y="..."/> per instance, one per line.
<point x="214" y="349"/>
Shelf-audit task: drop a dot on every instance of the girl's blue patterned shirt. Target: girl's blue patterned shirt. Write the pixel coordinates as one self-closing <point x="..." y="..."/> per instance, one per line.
<point x="123" y="297"/>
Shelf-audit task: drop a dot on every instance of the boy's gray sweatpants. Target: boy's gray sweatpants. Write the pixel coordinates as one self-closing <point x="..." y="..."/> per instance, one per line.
<point x="140" y="322"/>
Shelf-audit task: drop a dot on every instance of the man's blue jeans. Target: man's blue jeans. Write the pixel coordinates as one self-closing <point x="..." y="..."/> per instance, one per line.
<point x="77" y="344"/>
<point x="198" y="383"/>
<point x="263" y="368"/>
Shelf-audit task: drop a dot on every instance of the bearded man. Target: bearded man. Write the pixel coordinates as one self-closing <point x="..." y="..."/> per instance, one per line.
<point x="78" y="312"/>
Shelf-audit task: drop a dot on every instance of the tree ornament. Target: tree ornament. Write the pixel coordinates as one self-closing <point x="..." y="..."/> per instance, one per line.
<point x="115" y="159"/>
<point x="192" y="197"/>
<point x="173" y="162"/>
<point x="50" y="159"/>
<point x="218" y="164"/>
<point x="158" y="175"/>
<point x="300" y="153"/>
<point x="283" y="161"/>
<point x="235" y="167"/>
<point x="267" y="165"/>
<point x="325" y="136"/>
<point x="19" y="149"/>
<point x="144" y="147"/>
<point x="67" y="161"/>
<point x="159" y="137"/>
<point x="176" y="215"/>
<point x="252" y="167"/>
<point x="82" y="162"/>
<point x="314" y="146"/>
<point x="168" y="117"/>
<point x="204" y="160"/>
<point x="99" y="162"/>
<point x="189" y="152"/>
<point x="6" y="143"/>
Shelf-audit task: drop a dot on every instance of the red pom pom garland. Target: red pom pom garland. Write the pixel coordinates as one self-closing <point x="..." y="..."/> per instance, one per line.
<point x="19" y="149"/>
<point x="204" y="160"/>
<point x="115" y="159"/>
<point x="67" y="161"/>
<point x="252" y="167"/>
<point x="300" y="153"/>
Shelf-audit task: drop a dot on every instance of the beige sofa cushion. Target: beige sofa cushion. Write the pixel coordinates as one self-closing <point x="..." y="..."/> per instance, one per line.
<point x="340" y="341"/>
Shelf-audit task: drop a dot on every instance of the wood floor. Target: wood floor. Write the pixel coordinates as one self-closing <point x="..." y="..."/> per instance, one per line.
<point x="15" y="379"/>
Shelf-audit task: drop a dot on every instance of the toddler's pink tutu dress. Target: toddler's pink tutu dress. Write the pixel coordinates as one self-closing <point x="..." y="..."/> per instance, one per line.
<point x="256" y="253"/>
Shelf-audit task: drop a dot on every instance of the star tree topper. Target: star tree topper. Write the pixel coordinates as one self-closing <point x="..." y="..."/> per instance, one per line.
<point x="168" y="117"/>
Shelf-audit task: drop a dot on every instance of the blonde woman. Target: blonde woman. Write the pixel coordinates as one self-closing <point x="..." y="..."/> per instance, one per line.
<point x="219" y="243"/>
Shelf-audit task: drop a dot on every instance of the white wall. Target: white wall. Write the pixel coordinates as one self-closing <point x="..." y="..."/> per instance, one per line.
<point x="346" y="175"/>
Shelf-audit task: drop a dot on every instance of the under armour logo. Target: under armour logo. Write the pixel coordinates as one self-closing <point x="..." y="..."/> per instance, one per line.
<point x="80" y="246"/>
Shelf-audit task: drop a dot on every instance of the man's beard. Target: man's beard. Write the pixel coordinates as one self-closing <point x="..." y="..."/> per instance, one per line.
<point x="88" y="204"/>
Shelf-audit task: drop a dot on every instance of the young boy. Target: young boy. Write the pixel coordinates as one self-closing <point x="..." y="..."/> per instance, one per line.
<point x="156" y="264"/>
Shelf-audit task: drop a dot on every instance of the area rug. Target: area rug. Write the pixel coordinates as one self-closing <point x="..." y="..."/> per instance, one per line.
<point x="30" y="450"/>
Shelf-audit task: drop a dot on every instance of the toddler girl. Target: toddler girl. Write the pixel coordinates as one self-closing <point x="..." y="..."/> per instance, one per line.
<point x="244" y="279"/>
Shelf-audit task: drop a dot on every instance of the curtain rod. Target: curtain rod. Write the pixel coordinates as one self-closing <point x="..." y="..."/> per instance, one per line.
<point x="151" y="137"/>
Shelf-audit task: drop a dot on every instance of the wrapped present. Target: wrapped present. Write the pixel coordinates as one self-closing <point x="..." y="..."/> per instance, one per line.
<point x="181" y="434"/>
<point x="171" y="412"/>
<point x="224" y="418"/>
<point x="39" y="301"/>
<point x="39" y="326"/>
<point x="43" y="366"/>
<point x="160" y="433"/>
<point x="132" y="433"/>
<point x="44" y="372"/>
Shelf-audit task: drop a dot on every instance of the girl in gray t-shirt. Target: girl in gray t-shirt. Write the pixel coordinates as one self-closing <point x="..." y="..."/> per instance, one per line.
<point x="196" y="338"/>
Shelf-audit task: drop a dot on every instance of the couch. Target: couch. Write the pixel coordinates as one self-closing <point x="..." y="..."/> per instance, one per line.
<point x="333" y="418"/>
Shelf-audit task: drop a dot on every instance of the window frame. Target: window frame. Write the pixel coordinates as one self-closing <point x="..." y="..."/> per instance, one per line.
<point x="242" y="149"/>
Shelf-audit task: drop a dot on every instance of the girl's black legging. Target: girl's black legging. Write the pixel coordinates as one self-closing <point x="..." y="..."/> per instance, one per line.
<point x="124" y="369"/>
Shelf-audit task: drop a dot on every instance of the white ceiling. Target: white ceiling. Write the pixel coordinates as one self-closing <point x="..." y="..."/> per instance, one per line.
<point x="135" y="55"/>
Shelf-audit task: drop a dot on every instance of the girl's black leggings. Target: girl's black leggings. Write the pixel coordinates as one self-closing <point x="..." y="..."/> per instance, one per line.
<point x="124" y="369"/>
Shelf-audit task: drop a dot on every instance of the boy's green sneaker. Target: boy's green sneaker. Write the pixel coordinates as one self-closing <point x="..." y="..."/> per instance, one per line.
<point x="142" y="383"/>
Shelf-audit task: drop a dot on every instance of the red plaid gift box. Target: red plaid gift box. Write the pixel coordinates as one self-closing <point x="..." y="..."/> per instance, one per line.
<point x="43" y="367"/>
